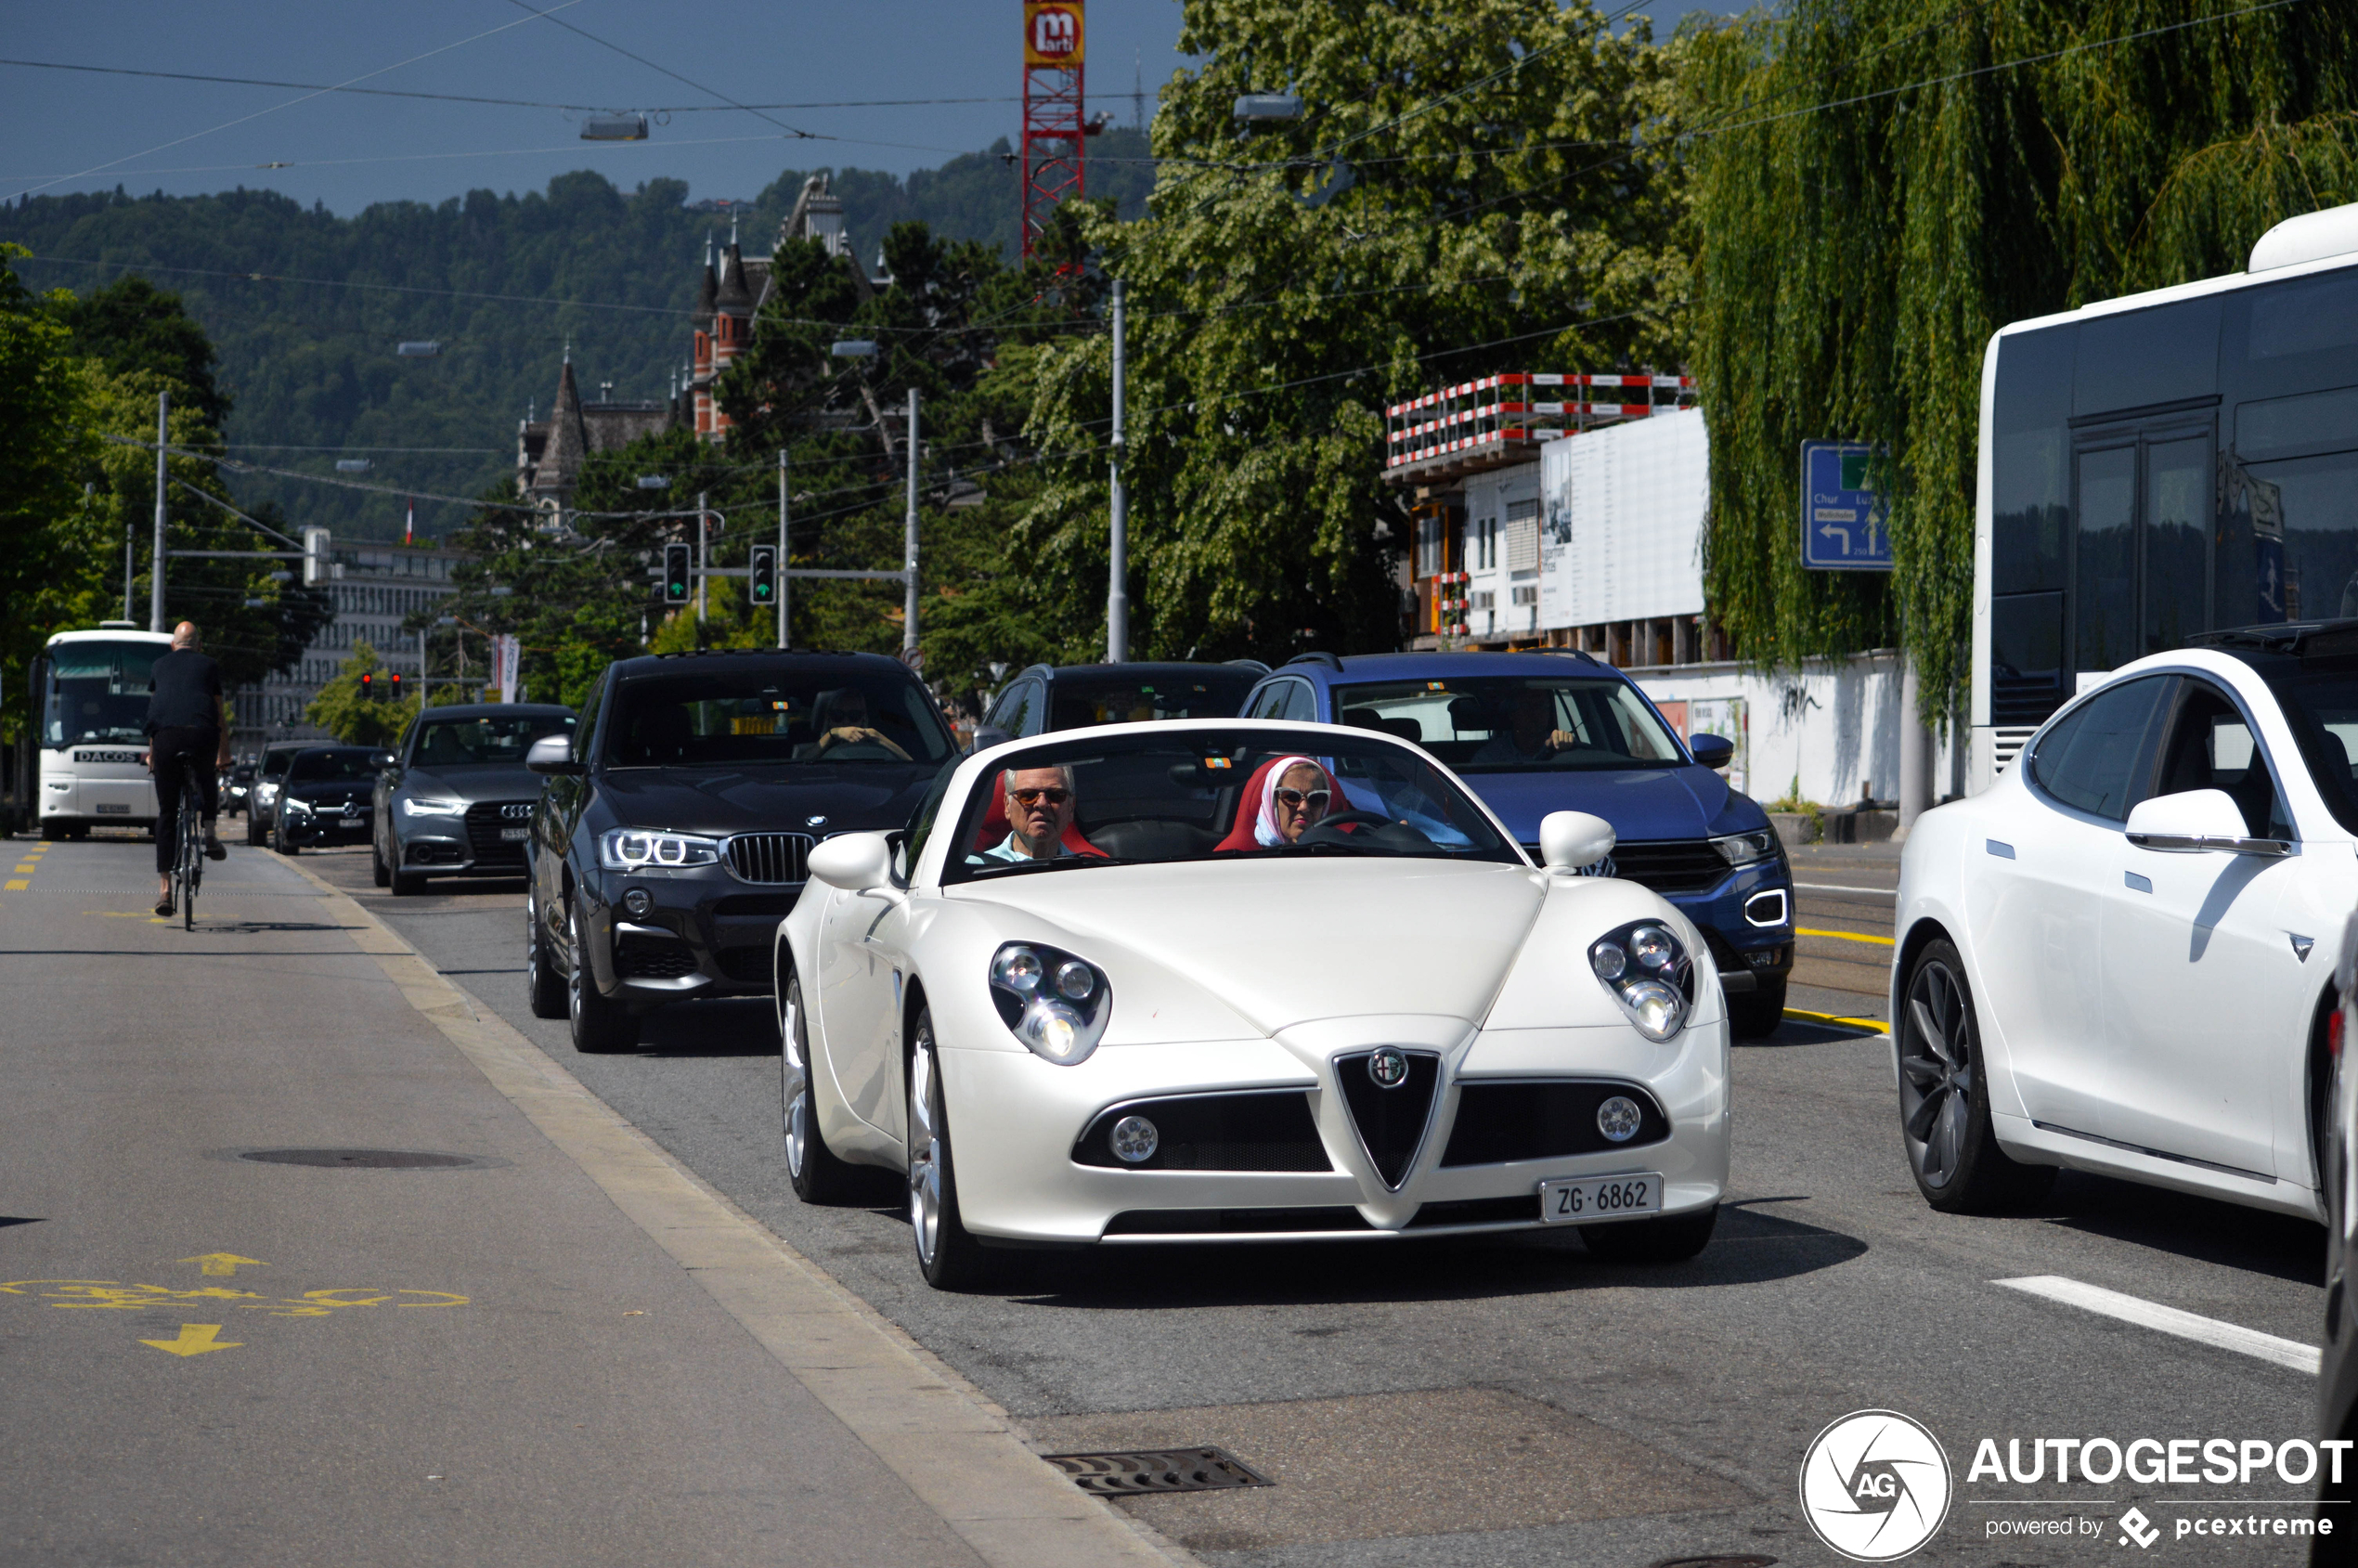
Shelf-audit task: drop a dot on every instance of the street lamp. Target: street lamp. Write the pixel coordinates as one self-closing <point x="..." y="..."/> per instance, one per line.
<point x="852" y="348"/>
<point x="1256" y="107"/>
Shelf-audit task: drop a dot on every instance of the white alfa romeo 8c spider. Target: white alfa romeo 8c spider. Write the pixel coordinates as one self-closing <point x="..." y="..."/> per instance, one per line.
<point x="1233" y="980"/>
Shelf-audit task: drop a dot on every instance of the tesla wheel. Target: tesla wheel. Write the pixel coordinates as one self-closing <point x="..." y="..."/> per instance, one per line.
<point x="818" y="1176"/>
<point x="1944" y="1097"/>
<point x="951" y="1257"/>
<point x="377" y="871"/>
<point x="598" y="1025"/>
<point x="1671" y="1239"/>
<point x="1757" y="1015"/>
<point x="544" y="988"/>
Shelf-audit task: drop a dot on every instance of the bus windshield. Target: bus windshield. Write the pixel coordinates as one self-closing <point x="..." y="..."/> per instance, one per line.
<point x="98" y="692"/>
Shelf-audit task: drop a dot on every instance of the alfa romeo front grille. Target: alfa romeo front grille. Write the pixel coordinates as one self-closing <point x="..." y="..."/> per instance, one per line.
<point x="768" y="857"/>
<point x="1391" y="1094"/>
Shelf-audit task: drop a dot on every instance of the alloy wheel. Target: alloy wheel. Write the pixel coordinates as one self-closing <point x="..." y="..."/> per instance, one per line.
<point x="925" y="1149"/>
<point x="1936" y="1073"/>
<point x="797" y="1085"/>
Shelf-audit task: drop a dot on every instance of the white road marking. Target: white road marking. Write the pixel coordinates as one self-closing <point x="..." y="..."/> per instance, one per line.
<point x="1832" y="887"/>
<point x="2169" y="1320"/>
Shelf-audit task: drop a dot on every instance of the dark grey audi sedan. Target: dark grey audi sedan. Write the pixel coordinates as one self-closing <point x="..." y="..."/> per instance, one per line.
<point x="457" y="800"/>
<point x="673" y="834"/>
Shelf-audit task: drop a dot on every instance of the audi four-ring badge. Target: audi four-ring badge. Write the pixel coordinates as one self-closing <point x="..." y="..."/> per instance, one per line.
<point x="1117" y="989"/>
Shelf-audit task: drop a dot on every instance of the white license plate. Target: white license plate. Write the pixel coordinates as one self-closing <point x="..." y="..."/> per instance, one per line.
<point x="514" y="834"/>
<point x="106" y="810"/>
<point x="1600" y="1198"/>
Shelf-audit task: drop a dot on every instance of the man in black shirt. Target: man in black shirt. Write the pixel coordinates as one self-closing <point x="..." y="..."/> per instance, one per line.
<point x="186" y="732"/>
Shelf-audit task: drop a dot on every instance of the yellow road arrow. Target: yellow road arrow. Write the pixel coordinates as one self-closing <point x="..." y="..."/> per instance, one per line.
<point x="195" y="1340"/>
<point x="225" y="1262"/>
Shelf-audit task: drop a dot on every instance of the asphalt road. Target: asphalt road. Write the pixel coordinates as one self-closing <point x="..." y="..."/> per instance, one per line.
<point x="1427" y="1403"/>
<point x="1521" y="1403"/>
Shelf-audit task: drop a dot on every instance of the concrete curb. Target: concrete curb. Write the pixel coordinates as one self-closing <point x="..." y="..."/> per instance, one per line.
<point x="954" y="1448"/>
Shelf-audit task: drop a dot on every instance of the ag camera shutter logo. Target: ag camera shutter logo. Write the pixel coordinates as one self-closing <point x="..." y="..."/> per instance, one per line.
<point x="1876" y="1485"/>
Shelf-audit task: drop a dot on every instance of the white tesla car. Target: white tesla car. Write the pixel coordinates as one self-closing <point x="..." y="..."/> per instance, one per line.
<point x="2119" y="957"/>
<point x="1269" y="981"/>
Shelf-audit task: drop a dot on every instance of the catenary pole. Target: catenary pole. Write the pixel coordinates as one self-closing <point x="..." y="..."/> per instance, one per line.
<point x="703" y="529"/>
<point x="155" y="567"/>
<point x="1118" y="554"/>
<point x="783" y="560"/>
<point x="909" y="600"/>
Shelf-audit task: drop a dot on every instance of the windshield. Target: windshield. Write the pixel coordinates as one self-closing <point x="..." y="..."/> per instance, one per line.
<point x="447" y="743"/>
<point x="98" y="691"/>
<point x="324" y="767"/>
<point x="1514" y="723"/>
<point x="1081" y="702"/>
<point x="732" y="718"/>
<point x="2320" y="700"/>
<point x="1216" y="795"/>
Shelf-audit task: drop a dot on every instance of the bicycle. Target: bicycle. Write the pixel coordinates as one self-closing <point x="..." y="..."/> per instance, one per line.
<point x="188" y="860"/>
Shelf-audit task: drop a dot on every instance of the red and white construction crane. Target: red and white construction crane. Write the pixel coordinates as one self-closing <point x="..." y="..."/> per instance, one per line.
<point x="1055" y="128"/>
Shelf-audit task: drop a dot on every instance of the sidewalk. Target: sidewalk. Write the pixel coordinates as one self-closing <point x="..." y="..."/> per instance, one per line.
<point x="545" y="1344"/>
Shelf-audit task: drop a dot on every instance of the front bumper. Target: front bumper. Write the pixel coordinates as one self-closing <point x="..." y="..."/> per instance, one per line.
<point x="1015" y="1120"/>
<point x="483" y="840"/>
<point x="1750" y="951"/>
<point x="308" y="828"/>
<point x="704" y="934"/>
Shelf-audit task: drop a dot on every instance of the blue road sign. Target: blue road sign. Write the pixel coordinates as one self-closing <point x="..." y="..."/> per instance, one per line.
<point x="1843" y="519"/>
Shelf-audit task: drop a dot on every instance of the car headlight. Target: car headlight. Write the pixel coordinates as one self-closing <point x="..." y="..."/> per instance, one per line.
<point x="1059" y="1006"/>
<point x="1744" y="849"/>
<point x="1649" y="973"/>
<point x="636" y="848"/>
<point x="412" y="805"/>
<point x="298" y="805"/>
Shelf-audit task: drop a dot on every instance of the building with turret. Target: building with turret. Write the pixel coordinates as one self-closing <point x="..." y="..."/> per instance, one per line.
<point x="550" y="452"/>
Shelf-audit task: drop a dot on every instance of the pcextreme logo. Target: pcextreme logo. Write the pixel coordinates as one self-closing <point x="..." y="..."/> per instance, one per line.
<point x="1876" y="1485"/>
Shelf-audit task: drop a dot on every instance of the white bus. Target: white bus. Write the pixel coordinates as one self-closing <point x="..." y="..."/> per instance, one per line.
<point x="2160" y="465"/>
<point x="90" y="702"/>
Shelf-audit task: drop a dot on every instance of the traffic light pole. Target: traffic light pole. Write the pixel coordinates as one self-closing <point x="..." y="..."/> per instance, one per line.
<point x="704" y="529"/>
<point x="909" y="601"/>
<point x="783" y="559"/>
<point x="1117" y="508"/>
<point x="155" y="570"/>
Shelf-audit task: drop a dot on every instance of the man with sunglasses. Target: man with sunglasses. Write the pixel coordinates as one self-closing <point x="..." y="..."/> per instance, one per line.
<point x="1040" y="804"/>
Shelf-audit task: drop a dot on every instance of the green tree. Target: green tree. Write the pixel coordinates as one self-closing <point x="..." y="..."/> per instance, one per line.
<point x="343" y="712"/>
<point x="1877" y="191"/>
<point x="1474" y="186"/>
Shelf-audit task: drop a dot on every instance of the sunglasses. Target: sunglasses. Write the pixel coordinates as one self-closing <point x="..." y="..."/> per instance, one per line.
<point x="1298" y="798"/>
<point x="1033" y="797"/>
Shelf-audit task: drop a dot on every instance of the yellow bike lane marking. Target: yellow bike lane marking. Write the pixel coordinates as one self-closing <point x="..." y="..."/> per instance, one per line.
<point x="31" y="863"/>
<point x="195" y="1339"/>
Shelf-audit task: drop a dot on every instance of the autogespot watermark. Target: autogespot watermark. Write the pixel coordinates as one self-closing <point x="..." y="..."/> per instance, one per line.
<point x="1876" y="1485"/>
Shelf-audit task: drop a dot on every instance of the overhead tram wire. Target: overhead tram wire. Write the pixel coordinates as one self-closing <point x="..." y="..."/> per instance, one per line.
<point x="549" y="15"/>
<point x="291" y="102"/>
<point x="503" y="103"/>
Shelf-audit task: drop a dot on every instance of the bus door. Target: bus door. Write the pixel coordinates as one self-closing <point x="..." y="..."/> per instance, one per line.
<point x="2143" y="495"/>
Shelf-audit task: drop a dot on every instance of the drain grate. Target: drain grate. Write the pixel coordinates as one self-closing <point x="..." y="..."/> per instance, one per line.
<point x="1157" y="1470"/>
<point x="364" y="1159"/>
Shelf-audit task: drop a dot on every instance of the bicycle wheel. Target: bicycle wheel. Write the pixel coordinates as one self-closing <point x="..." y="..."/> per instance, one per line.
<point x="191" y="856"/>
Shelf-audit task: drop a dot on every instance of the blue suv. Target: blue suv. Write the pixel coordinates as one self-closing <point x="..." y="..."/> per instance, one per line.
<point x="1533" y="733"/>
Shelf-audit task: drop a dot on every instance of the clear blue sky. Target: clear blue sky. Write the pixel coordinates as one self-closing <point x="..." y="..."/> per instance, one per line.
<point x="349" y="150"/>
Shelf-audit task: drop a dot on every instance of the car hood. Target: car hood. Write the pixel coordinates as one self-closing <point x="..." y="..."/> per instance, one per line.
<point x="849" y="795"/>
<point x="1283" y="943"/>
<point x="330" y="792"/>
<point x="1642" y="803"/>
<point x="489" y="780"/>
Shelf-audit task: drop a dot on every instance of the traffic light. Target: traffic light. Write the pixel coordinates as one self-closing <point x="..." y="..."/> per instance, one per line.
<point x="675" y="585"/>
<point x="368" y="687"/>
<point x="765" y="575"/>
<point x="394" y="679"/>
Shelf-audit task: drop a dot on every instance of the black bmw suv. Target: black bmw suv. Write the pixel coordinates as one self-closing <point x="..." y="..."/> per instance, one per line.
<point x="673" y="834"/>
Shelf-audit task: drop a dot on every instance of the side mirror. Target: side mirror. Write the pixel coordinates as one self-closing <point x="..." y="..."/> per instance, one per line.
<point x="553" y="754"/>
<point x="1712" y="751"/>
<point x="2194" y="820"/>
<point x="853" y="861"/>
<point x="986" y="736"/>
<point x="1575" y="840"/>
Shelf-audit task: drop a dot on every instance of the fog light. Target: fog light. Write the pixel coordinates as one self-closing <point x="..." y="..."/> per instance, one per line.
<point x="1135" y="1140"/>
<point x="637" y="902"/>
<point x="1619" y="1119"/>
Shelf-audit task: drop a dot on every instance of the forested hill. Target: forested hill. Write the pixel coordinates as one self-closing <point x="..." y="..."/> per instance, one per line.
<point x="307" y="349"/>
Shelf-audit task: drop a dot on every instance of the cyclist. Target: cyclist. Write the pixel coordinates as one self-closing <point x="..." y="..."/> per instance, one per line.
<point x="188" y="731"/>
